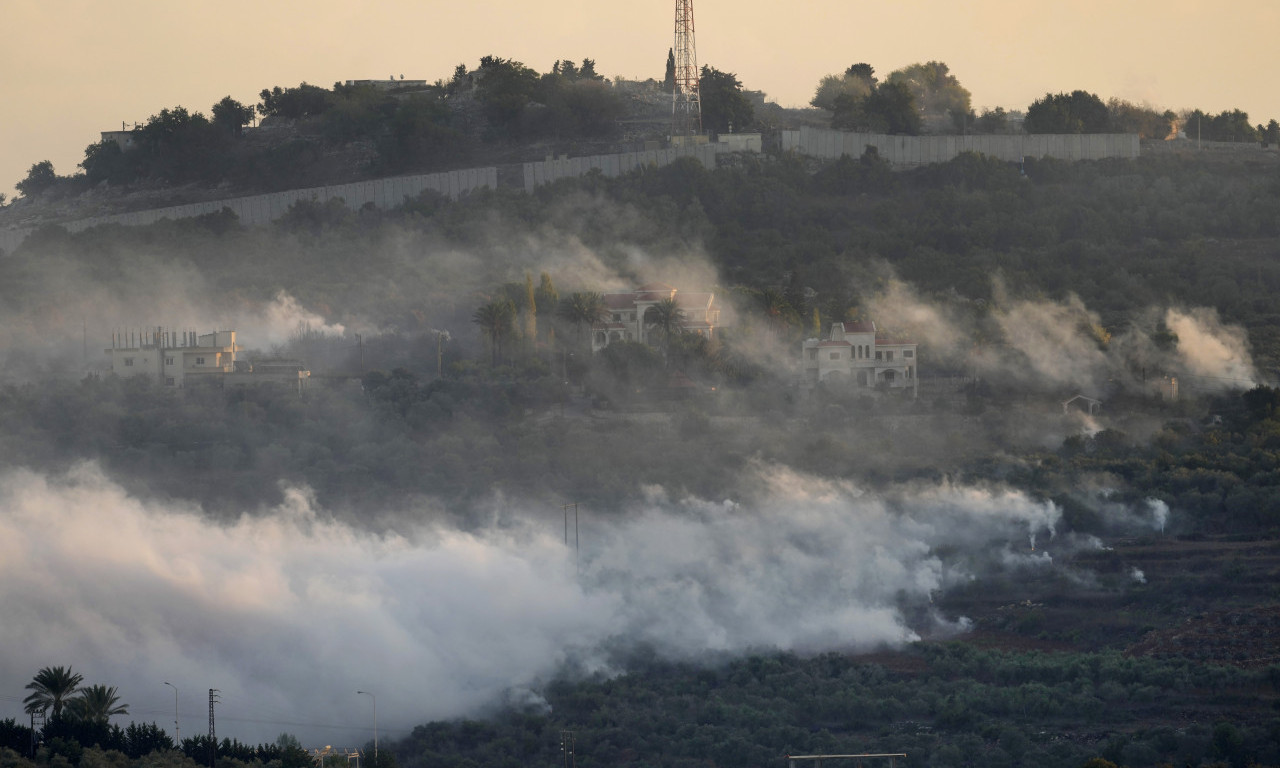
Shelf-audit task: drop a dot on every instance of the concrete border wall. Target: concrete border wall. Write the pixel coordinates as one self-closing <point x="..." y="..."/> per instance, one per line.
<point x="262" y="209"/>
<point x="547" y="171"/>
<point x="919" y="150"/>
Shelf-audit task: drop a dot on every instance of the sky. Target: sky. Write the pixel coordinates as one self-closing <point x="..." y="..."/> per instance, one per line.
<point x="74" y="68"/>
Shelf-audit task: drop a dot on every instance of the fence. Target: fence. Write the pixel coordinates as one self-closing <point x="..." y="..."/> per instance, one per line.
<point x="261" y="209"/>
<point x="553" y="169"/>
<point x="919" y="150"/>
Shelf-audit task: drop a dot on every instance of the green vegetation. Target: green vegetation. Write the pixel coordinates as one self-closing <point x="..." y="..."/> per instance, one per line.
<point x="520" y="407"/>
<point x="942" y="705"/>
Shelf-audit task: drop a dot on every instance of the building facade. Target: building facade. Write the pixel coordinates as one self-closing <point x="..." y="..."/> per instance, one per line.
<point x="858" y="355"/>
<point x="185" y="359"/>
<point x="626" y="314"/>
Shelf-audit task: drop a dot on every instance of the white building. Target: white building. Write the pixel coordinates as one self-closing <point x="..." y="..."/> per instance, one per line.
<point x="186" y="359"/>
<point x="625" y="319"/>
<point x="860" y="356"/>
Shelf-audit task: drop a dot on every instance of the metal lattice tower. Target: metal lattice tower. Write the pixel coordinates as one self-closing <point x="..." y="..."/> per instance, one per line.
<point x="686" y="103"/>
<point x="213" y="736"/>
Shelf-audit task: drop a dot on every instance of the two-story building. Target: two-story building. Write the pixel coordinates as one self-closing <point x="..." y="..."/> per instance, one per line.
<point x="626" y="313"/>
<point x="857" y="354"/>
<point x="186" y="359"/>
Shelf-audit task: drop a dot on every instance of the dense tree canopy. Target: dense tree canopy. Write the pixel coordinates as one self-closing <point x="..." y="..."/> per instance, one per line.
<point x="724" y="105"/>
<point x="1076" y="112"/>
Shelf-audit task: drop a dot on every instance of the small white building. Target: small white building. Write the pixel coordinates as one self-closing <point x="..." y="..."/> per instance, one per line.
<point x="186" y="358"/>
<point x="857" y="354"/>
<point x="625" y="320"/>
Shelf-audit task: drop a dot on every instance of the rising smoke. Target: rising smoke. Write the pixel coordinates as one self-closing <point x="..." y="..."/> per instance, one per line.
<point x="288" y="612"/>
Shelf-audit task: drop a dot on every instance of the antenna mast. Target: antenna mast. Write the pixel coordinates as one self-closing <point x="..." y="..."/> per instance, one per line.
<point x="686" y="104"/>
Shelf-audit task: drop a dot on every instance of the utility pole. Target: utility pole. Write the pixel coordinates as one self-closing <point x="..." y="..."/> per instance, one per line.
<point x="375" y="725"/>
<point x="213" y="734"/>
<point x="686" y="99"/>
<point x="177" y="733"/>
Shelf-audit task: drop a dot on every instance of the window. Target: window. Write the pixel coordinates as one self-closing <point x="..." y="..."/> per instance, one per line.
<point x="813" y="354"/>
<point x="128" y="361"/>
<point x="911" y="371"/>
<point x="908" y="353"/>
<point x="168" y="361"/>
<point x="169" y="382"/>
<point x="879" y="355"/>
<point x="888" y="355"/>
<point x="199" y="361"/>
<point x="835" y="355"/>
<point x="617" y="317"/>
<point x="631" y="316"/>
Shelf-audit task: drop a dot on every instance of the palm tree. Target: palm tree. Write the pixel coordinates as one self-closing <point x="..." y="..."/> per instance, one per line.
<point x="96" y="704"/>
<point x="52" y="688"/>
<point x="778" y="312"/>
<point x="495" y="319"/>
<point x="665" y="320"/>
<point x="583" y="308"/>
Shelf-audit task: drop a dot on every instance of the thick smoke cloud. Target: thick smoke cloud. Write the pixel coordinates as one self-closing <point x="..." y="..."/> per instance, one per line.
<point x="288" y="613"/>
<point x="1063" y="345"/>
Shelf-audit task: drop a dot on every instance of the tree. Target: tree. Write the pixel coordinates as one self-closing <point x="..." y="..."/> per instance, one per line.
<point x="582" y="308"/>
<point x="39" y="178"/>
<point x="1270" y="134"/>
<point x="1076" y="112"/>
<point x="1144" y="121"/>
<point x="890" y="108"/>
<point x="96" y="704"/>
<point x="856" y="82"/>
<point x="669" y="78"/>
<point x="496" y="320"/>
<point x="723" y="102"/>
<point x="937" y="92"/>
<point x="231" y="116"/>
<point x="778" y="312"/>
<point x="51" y="689"/>
<point x="294" y="103"/>
<point x="504" y="88"/>
<point x="991" y="121"/>
<point x="665" y="321"/>
<point x="106" y="161"/>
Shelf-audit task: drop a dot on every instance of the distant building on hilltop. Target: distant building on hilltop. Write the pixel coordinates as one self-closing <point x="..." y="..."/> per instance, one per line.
<point x="186" y="359"/>
<point x="626" y="314"/>
<point x="857" y="354"/>
<point x="390" y="84"/>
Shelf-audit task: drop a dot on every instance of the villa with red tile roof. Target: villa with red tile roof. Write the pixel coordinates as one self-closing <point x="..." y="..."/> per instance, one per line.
<point x="625" y="314"/>
<point x="859" y="355"/>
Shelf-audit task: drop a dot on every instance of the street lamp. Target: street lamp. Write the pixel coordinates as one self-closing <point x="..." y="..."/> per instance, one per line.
<point x="375" y="724"/>
<point x="177" y="734"/>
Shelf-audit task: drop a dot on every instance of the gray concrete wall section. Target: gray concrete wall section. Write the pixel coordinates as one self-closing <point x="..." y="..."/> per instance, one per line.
<point x="261" y="209"/>
<point x="547" y="171"/>
<point x="918" y="150"/>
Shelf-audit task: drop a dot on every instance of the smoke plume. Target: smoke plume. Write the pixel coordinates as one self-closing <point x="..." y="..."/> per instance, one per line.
<point x="288" y="613"/>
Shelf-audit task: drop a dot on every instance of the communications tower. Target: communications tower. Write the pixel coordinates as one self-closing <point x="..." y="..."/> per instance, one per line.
<point x="686" y="105"/>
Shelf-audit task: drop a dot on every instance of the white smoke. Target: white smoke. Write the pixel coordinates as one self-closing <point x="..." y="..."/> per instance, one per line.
<point x="276" y="322"/>
<point x="1207" y="348"/>
<point x="288" y="613"/>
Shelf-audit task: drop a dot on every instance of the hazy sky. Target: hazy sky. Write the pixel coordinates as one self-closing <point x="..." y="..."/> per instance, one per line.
<point x="76" y="67"/>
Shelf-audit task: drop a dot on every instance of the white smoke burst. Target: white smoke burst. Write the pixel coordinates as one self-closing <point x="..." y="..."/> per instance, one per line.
<point x="287" y="613"/>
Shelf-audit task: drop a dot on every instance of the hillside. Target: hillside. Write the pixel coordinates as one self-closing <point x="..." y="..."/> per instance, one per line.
<point x="980" y="576"/>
